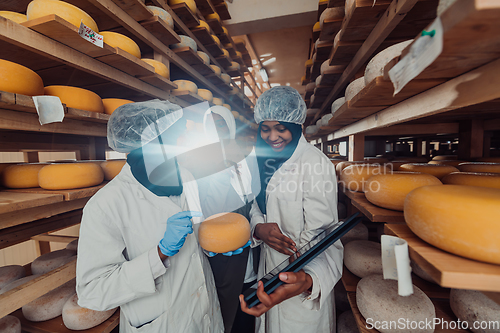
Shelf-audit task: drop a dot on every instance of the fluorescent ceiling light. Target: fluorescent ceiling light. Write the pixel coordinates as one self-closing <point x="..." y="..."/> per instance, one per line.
<point x="269" y="61"/>
<point x="275" y="85"/>
<point x="263" y="74"/>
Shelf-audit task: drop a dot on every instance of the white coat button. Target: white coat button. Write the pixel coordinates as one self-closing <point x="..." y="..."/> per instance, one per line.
<point x="193" y="255"/>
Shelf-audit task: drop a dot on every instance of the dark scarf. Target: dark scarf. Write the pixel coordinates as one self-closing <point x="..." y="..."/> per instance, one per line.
<point x="270" y="161"/>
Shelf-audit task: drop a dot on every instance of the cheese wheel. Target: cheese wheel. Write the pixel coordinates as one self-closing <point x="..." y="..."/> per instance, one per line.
<point x="234" y="66"/>
<point x="17" y="283"/>
<point x="72" y="14"/>
<point x="76" y="98"/>
<point x="390" y="190"/>
<point x="22" y="175"/>
<point x="354" y="88"/>
<point x="160" y="68"/>
<point x="226" y="52"/>
<point x="52" y="260"/>
<point x="11" y="273"/>
<point x="359" y="232"/>
<point x="473" y="179"/>
<point x="73" y="245"/>
<point x="123" y="42"/>
<point x="112" y="168"/>
<point x="226" y="78"/>
<point x="489" y="159"/>
<point x="217" y="101"/>
<point x="227" y="106"/>
<point x="337" y="104"/>
<point x="190" y="3"/>
<point x="311" y="129"/>
<point x="346" y="323"/>
<point x="163" y="14"/>
<point x="336" y="40"/>
<point x="380" y="160"/>
<point x="206" y="94"/>
<point x="363" y="257"/>
<point x="77" y="318"/>
<point x="111" y="104"/>
<point x="239" y="40"/>
<point x="317" y="26"/>
<point x="325" y="120"/>
<point x="216" y="69"/>
<point x="10" y="324"/>
<point x="204" y="57"/>
<point x="376" y="66"/>
<point x="239" y="54"/>
<point x="224" y="232"/>
<point x="418" y="271"/>
<point x="354" y="177"/>
<point x="186" y="85"/>
<point x="66" y="176"/>
<point x="18" y="79"/>
<point x="13" y="16"/>
<point x="224" y="31"/>
<point x="330" y="14"/>
<point x="318" y="80"/>
<point x="446" y="162"/>
<point x="378" y="299"/>
<point x="476" y="309"/>
<point x="309" y="62"/>
<point x="456" y="218"/>
<point x="51" y="304"/>
<point x="235" y="114"/>
<point x="203" y="24"/>
<point x="344" y="164"/>
<point x="213" y="16"/>
<point x="479" y="167"/>
<point x="185" y="41"/>
<point x="445" y="157"/>
<point x="436" y="170"/>
<point x="311" y="86"/>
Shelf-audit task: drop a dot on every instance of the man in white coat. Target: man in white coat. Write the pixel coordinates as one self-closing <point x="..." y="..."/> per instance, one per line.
<point x="137" y="249"/>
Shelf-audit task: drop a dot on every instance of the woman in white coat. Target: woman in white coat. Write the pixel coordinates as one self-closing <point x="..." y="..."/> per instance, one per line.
<point x="298" y="200"/>
<point x="137" y="249"/>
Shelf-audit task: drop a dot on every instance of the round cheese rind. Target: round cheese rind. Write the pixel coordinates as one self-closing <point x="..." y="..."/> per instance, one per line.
<point x="363" y="257"/>
<point x="479" y="167"/>
<point x="442" y="215"/>
<point x="354" y="177"/>
<point x="234" y="66"/>
<point x="160" y="68"/>
<point x="216" y="39"/>
<point x="474" y="306"/>
<point x="359" y="232"/>
<point x="227" y="106"/>
<point x="354" y="88"/>
<point x="13" y="16"/>
<point x="317" y="26"/>
<point x="190" y="3"/>
<point x="123" y="42"/>
<point x="482" y="179"/>
<point x="163" y="14"/>
<point x="226" y="78"/>
<point x="52" y="260"/>
<point x="66" y="176"/>
<point x="436" y="170"/>
<point x="18" y="79"/>
<point x="10" y="324"/>
<point x="77" y="318"/>
<point x="70" y="13"/>
<point x="216" y="69"/>
<point x="111" y="104"/>
<point x="235" y="114"/>
<point x="418" y="271"/>
<point x="489" y="159"/>
<point x="185" y="41"/>
<point x="217" y="101"/>
<point x="203" y="24"/>
<point x="346" y="323"/>
<point x="224" y="232"/>
<point x="206" y="94"/>
<point x="76" y="98"/>
<point x="337" y="104"/>
<point x="213" y="16"/>
<point x="22" y="175"/>
<point x="11" y="273"/>
<point x="376" y="66"/>
<point x="186" y="85"/>
<point x="17" y="283"/>
<point x="454" y="163"/>
<point x="112" y="168"/>
<point x="445" y="157"/>
<point x="204" y="57"/>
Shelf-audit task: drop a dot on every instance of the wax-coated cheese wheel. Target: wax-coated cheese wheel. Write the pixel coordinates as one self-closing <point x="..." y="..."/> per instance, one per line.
<point x="482" y="179"/>
<point x="73" y="245"/>
<point x="390" y="190"/>
<point x="11" y="273"/>
<point x="226" y="52"/>
<point x="190" y="3"/>
<point x="436" y="170"/>
<point x="112" y="168"/>
<point x="72" y="14"/>
<point x="163" y="14"/>
<point x="51" y="304"/>
<point x="13" y="16"/>
<point x="376" y="66"/>
<point x="76" y="98"/>
<point x="186" y="85"/>
<point x="317" y="26"/>
<point x="456" y="218"/>
<point x="363" y="257"/>
<point x="204" y="57"/>
<point x="354" y="88"/>
<point x="217" y="101"/>
<point x="378" y="300"/>
<point x="216" y="69"/>
<point x="359" y="232"/>
<point x="476" y="309"/>
<point x="111" y="104"/>
<point x="10" y="324"/>
<point x="77" y="318"/>
<point x="213" y="16"/>
<point x="226" y="78"/>
<point x="203" y="24"/>
<point x="160" y="68"/>
<point x="22" y="175"/>
<point x="206" y="94"/>
<point x="330" y="14"/>
<point x="344" y="164"/>
<point x="18" y="79"/>
<point x="216" y="39"/>
<point x="454" y="163"/>
<point x="66" y="176"/>
<point x="479" y="167"/>
<point x="185" y="41"/>
<point x="52" y="260"/>
<point x="444" y="157"/>
<point x="227" y="106"/>
<point x="224" y="232"/>
<point x="354" y="177"/>
<point x="17" y="283"/>
<point x="123" y="42"/>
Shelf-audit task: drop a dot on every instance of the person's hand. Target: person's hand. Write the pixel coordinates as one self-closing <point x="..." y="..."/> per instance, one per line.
<point x="294" y="284"/>
<point x="231" y="253"/>
<point x="178" y="227"/>
<point x="271" y="234"/>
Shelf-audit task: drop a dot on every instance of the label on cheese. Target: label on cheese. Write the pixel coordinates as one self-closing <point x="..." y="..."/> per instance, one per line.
<point x="90" y="35"/>
<point x="49" y="109"/>
<point x="396" y="263"/>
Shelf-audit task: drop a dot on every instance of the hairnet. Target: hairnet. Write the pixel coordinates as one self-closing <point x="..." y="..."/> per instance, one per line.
<point x="226" y="115"/>
<point x="133" y="125"/>
<point x="280" y="104"/>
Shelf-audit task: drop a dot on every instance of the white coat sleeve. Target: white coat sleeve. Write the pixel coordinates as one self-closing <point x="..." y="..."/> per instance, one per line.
<point x="256" y="217"/>
<point x="105" y="279"/>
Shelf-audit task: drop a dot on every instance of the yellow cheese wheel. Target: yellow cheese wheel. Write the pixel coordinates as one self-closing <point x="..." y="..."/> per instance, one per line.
<point x="206" y="94"/>
<point x="239" y="40"/>
<point x="216" y="39"/>
<point x="239" y="54"/>
<point x="344" y="164"/>
<point x="163" y="14"/>
<point x="309" y="62"/>
<point x="444" y="157"/>
<point x="22" y="175"/>
<point x="436" y="170"/>
<point x="186" y="85"/>
<point x="18" y="79"/>
<point x="72" y="14"/>
<point x="380" y="160"/>
<point x="489" y="159"/>
<point x="224" y="31"/>
<point x="234" y="66"/>
<point x="13" y="16"/>
<point x="354" y="177"/>
<point x="390" y="190"/>
<point x="224" y="232"/>
<point x="111" y="104"/>
<point x="77" y="98"/>
<point x="473" y="179"/>
<point x="226" y="78"/>
<point x="66" y="176"/>
<point x="115" y="39"/>
<point x="226" y="52"/>
<point x="213" y="16"/>
<point x="160" y="68"/>
<point x="216" y="69"/>
<point x="112" y="168"/>
<point x="227" y="106"/>
<point x="317" y="26"/>
<point x="204" y="57"/>
<point x="236" y="114"/>
<point x="456" y="218"/>
<point x="479" y="167"/>
<point x="217" y="101"/>
<point x="190" y="3"/>
<point x="445" y="162"/>
<point x="203" y="24"/>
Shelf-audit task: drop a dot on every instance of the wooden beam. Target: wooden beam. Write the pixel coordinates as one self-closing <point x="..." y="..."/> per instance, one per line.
<point x="470" y="140"/>
<point x="42" y="247"/>
<point x="417" y="146"/>
<point x="415" y="129"/>
<point x="356" y="147"/>
<point x="54" y="238"/>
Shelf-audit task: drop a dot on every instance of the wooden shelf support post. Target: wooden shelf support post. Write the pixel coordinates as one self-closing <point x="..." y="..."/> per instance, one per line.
<point x="356" y="147"/>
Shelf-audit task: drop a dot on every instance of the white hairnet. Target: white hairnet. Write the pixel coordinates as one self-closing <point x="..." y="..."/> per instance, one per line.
<point x="280" y="104"/>
<point x="226" y="115"/>
<point x="133" y="125"/>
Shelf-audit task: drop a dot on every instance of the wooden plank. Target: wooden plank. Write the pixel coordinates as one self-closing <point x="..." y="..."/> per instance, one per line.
<point x="203" y="69"/>
<point x="225" y="40"/>
<point x="356" y="147"/>
<point x="347" y="115"/>
<point x="415" y="129"/>
<point x="160" y="29"/>
<point x="216" y="26"/>
<point x="10" y="202"/>
<point x="335" y="3"/>
<point x="447" y="269"/>
<point x="135" y="8"/>
<point x="54" y="238"/>
<point x="205" y="7"/>
<point x="323" y="51"/>
<point x="189" y="56"/>
<point x="186" y="15"/>
<point x="188" y="96"/>
<point x="224" y="61"/>
<point x="372" y="212"/>
<point x="127" y="63"/>
<point x="214" y="49"/>
<point x="86" y="115"/>
<point x="223" y="11"/>
<point x="471" y="137"/>
<point x="158" y="81"/>
<point x="68" y="195"/>
<point x="317" y="101"/>
<point x="330" y="28"/>
<point x="203" y="35"/>
<point x="361" y="18"/>
<point x="233" y="74"/>
<point x="343" y="52"/>
<point x="322" y="90"/>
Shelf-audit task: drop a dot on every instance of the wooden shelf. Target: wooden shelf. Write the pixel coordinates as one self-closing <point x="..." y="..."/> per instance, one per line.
<point x="186" y="15"/>
<point x="372" y="212"/>
<point x="214" y="49"/>
<point x="330" y="29"/>
<point x="216" y="26"/>
<point x="361" y="18"/>
<point x="234" y="73"/>
<point x="68" y="195"/>
<point x="224" y="61"/>
<point x="315" y="34"/>
<point x="225" y="39"/>
<point x="10" y="202"/>
<point x="205" y="7"/>
<point x="346" y="115"/>
<point x="158" y="81"/>
<point x="160" y="29"/>
<point x="447" y="269"/>
<point x="203" y="35"/>
<point x="188" y="96"/>
<point x="323" y="52"/>
<point x="135" y="8"/>
<point x="223" y="11"/>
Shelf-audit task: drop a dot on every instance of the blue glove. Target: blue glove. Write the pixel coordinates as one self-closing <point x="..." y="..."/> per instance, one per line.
<point x="178" y="227"/>
<point x="232" y="253"/>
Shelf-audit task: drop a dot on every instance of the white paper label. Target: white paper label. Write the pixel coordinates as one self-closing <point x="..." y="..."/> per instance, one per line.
<point x="90" y="35"/>
<point x="396" y="263"/>
<point x="49" y="109"/>
<point x="422" y="53"/>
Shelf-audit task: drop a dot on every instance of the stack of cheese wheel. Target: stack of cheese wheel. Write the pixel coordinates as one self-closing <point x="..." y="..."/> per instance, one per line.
<point x="76" y="98"/>
<point x="363" y="257"/>
<point x="206" y="95"/>
<point x="204" y="57"/>
<point x="17" y="283"/>
<point x="13" y="16"/>
<point x="66" y="176"/>
<point x="446" y="162"/>
<point x="111" y="104"/>
<point x="217" y="101"/>
<point x="123" y="42"/>
<point x="354" y="88"/>
<point x="10" y="274"/>
<point x="183" y="85"/>
<point x="22" y="175"/>
<point x="479" y="167"/>
<point x="482" y="179"/>
<point x="213" y="16"/>
<point x="160" y="68"/>
<point x="190" y="3"/>
<point x="10" y="324"/>
<point x="163" y="14"/>
<point x="226" y="78"/>
<point x="186" y="41"/>
<point x="465" y="224"/>
<point x="18" y="79"/>
<point x="390" y="190"/>
<point x="77" y="318"/>
<point x="112" y="168"/>
<point x="376" y="66"/>
<point x="436" y="170"/>
<point x="51" y="304"/>
<point x="72" y="14"/>
<point x="52" y="260"/>
<point x="378" y="299"/>
<point x="354" y="177"/>
<point x="216" y="69"/>
<point x="224" y="232"/>
<point x="474" y="307"/>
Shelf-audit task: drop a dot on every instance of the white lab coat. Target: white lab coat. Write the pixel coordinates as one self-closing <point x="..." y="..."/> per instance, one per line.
<point x="302" y="200"/>
<point x="118" y="264"/>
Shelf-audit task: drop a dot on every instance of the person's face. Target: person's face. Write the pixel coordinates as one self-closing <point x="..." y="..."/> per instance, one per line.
<point x="220" y="126"/>
<point x="275" y="134"/>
